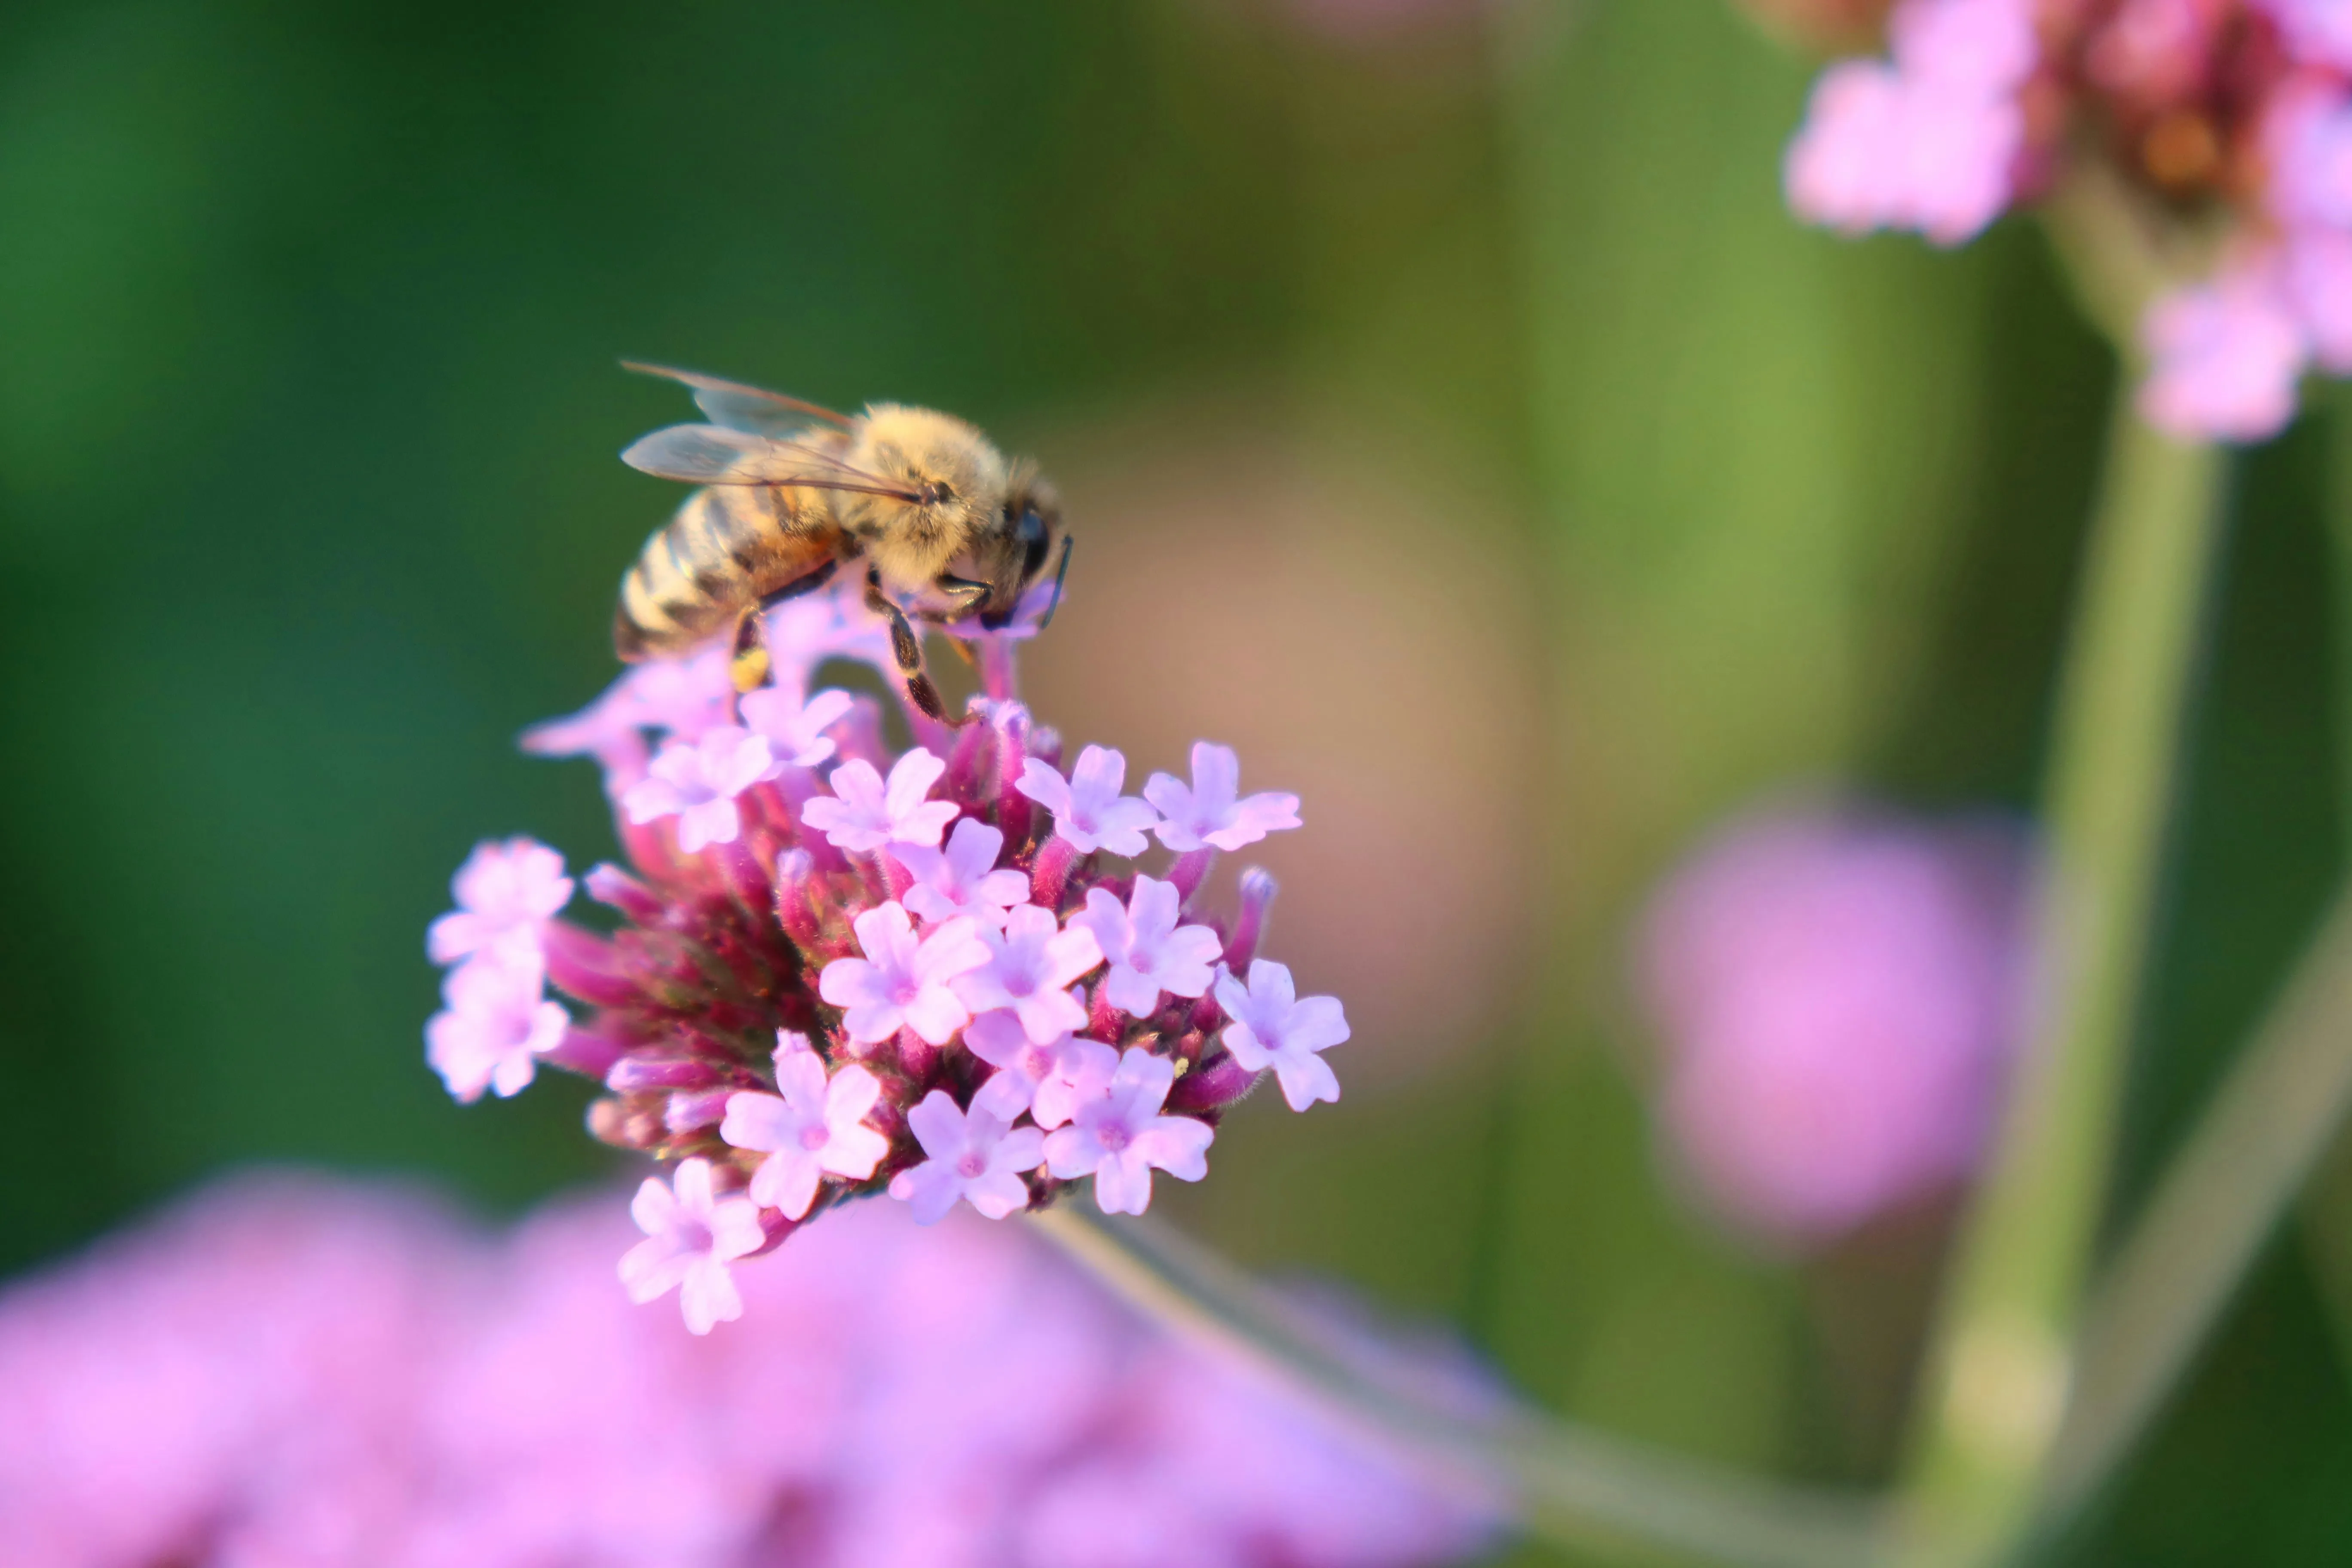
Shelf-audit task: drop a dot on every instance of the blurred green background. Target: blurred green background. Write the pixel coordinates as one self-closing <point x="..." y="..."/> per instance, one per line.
<point x="307" y="405"/>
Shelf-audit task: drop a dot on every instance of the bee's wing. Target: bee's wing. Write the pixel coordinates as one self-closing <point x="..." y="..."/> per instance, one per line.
<point x="751" y="409"/>
<point x="714" y="455"/>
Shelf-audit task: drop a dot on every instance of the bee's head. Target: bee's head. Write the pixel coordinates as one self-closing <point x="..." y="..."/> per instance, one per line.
<point x="1018" y="549"/>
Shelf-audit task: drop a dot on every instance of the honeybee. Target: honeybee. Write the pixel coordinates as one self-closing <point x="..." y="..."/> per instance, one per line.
<point x="948" y="527"/>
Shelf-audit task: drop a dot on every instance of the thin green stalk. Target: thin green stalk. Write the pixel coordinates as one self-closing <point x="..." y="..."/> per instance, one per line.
<point x="1567" y="1484"/>
<point x="2218" y="1200"/>
<point x="1999" y="1371"/>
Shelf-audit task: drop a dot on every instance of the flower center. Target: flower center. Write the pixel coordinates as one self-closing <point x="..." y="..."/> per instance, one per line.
<point x="971" y="1164"/>
<point x="904" y="990"/>
<point x="816" y="1136"/>
<point x="1114" y="1136"/>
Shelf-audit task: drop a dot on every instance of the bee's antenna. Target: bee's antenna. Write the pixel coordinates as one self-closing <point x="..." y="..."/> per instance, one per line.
<point x="1059" y="572"/>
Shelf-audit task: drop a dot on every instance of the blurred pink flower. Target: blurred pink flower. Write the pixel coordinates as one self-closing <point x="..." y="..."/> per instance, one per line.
<point x="313" y="1373"/>
<point x="794" y="729"/>
<point x="697" y="783"/>
<point x="497" y="1026"/>
<point x="2224" y="357"/>
<point x="504" y="891"/>
<point x="1836" y="998"/>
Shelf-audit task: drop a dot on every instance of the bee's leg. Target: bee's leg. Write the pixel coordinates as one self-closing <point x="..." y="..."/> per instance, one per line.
<point x="907" y="649"/>
<point x="965" y="651"/>
<point x="749" y="662"/>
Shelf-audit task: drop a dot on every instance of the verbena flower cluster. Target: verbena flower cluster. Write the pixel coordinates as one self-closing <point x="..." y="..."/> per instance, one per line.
<point x="310" y="1374"/>
<point x="2231" y="118"/>
<point x="1837" y="996"/>
<point x="842" y="973"/>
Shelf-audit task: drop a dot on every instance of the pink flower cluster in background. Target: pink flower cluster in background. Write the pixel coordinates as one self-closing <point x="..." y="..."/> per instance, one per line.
<point x="2228" y="116"/>
<point x="1837" y="998"/>
<point x="844" y="971"/>
<point x="304" y="1373"/>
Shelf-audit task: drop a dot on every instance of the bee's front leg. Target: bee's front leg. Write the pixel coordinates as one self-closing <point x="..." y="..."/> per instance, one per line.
<point x="907" y="649"/>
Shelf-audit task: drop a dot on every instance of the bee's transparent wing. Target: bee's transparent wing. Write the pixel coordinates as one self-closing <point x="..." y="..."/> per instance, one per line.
<point x="751" y="409"/>
<point x="714" y="455"/>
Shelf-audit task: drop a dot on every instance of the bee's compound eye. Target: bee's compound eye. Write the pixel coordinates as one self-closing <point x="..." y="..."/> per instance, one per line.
<point x="1034" y="544"/>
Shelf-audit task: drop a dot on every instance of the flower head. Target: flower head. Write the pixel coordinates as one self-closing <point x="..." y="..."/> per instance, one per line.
<point x="697" y="783"/>
<point x="962" y="879"/>
<point x="691" y="1236"/>
<point x="1272" y="1028"/>
<point x="810" y="1128"/>
<point x="773" y="943"/>
<point x="864" y="814"/>
<point x="1207" y="811"/>
<point x="976" y="1157"/>
<point x="1117" y="1136"/>
<point x="1149" y="953"/>
<point x="497" y="1025"/>
<point x="904" y="982"/>
<point x="2240" y="109"/>
<point x="1088" y="811"/>
<point x="504" y="891"/>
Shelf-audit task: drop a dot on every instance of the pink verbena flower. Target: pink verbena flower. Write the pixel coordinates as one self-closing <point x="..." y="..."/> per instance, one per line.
<point x="1149" y="953"/>
<point x="975" y="1157"/>
<point x="809" y="1129"/>
<point x="1117" y="1136"/>
<point x="1088" y="811"/>
<point x="864" y="814"/>
<point x="962" y="879"/>
<point x="1030" y="965"/>
<point x="683" y="697"/>
<point x="496" y="1026"/>
<point x="1272" y="1028"/>
<point x="1206" y="813"/>
<point x="904" y="982"/>
<point x="691" y="1236"/>
<point x="794" y="729"/>
<point x="800" y="924"/>
<point x="697" y="783"/>
<point x="504" y="891"/>
<point x="1837" y="998"/>
<point x="1045" y="1079"/>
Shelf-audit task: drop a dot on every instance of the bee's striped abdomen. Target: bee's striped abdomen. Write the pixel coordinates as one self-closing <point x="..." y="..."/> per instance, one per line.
<point x="725" y="549"/>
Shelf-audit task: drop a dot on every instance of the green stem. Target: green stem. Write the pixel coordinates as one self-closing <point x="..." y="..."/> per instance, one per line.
<point x="1569" y="1485"/>
<point x="1998" y="1372"/>
<point x="2218" y="1200"/>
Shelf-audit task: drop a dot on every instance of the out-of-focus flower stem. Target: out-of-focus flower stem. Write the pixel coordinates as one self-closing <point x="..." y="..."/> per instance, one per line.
<point x="2216" y="1203"/>
<point x="1999" y="1371"/>
<point x="1566" y="1484"/>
